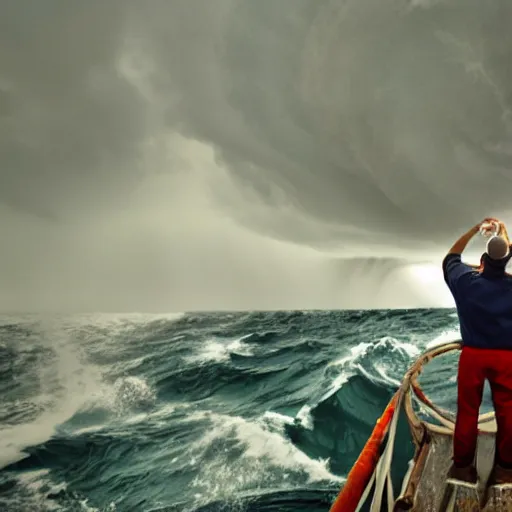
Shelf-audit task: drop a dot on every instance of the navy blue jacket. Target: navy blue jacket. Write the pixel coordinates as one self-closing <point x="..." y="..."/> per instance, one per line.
<point x="484" y="303"/>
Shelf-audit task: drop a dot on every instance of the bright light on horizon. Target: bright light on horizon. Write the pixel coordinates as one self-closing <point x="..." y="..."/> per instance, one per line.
<point x="430" y="278"/>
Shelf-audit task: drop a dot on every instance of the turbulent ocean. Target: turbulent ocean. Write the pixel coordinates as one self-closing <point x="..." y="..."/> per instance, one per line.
<point x="202" y="412"/>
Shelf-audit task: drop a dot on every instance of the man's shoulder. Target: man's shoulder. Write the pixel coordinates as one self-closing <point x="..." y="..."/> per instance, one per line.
<point x="452" y="256"/>
<point x="453" y="259"/>
<point x="449" y="260"/>
<point x="454" y="268"/>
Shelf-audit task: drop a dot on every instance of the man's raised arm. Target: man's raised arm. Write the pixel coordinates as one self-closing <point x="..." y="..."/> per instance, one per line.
<point x="461" y="243"/>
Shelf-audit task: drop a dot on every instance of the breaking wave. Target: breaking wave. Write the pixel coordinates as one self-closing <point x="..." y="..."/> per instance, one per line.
<point x="238" y="411"/>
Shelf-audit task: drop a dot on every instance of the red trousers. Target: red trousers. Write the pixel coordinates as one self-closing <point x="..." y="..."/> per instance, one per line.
<point x="476" y="365"/>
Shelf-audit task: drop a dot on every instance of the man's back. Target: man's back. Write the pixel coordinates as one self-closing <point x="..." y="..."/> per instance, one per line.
<point x="484" y="304"/>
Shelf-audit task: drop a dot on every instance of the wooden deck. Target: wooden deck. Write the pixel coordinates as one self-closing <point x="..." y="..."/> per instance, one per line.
<point x="433" y="493"/>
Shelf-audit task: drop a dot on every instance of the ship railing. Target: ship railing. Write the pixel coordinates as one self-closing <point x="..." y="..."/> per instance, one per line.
<point x="372" y="470"/>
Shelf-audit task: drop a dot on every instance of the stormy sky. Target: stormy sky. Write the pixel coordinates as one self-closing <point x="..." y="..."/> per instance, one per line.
<point x="236" y="154"/>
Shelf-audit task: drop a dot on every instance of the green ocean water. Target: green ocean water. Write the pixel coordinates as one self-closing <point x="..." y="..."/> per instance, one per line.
<point x="202" y="411"/>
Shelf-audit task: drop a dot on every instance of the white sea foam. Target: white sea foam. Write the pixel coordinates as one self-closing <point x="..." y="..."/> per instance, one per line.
<point x="121" y="397"/>
<point x="35" y="488"/>
<point x="33" y="496"/>
<point x="276" y="421"/>
<point x="211" y="351"/>
<point x="346" y="366"/>
<point x="397" y="345"/>
<point x="266" y="456"/>
<point x="219" y="350"/>
<point x="305" y="418"/>
<point x="76" y="382"/>
<point x="122" y="425"/>
<point x="239" y="347"/>
<point x="445" y="337"/>
<point x="382" y="370"/>
<point x="69" y="383"/>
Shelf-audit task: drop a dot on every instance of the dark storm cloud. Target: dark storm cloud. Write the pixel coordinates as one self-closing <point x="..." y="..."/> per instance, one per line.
<point x="133" y="135"/>
<point x="383" y="116"/>
<point x="70" y="122"/>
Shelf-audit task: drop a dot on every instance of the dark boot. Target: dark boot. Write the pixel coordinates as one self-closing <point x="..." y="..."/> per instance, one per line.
<point x="466" y="475"/>
<point x="500" y="476"/>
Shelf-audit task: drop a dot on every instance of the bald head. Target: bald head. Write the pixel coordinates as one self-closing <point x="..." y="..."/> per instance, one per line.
<point x="497" y="248"/>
